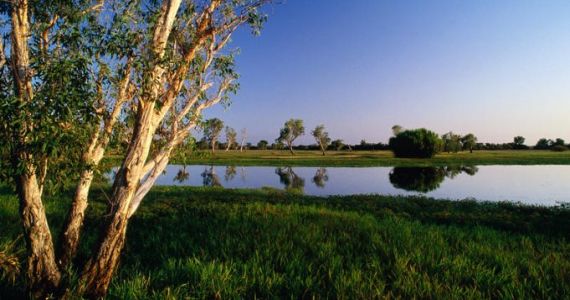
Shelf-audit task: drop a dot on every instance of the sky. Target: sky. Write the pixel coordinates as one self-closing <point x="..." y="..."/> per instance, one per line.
<point x="493" y="68"/>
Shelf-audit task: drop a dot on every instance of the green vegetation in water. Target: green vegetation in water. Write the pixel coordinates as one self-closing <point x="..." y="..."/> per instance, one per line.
<point x="217" y="243"/>
<point x="373" y="158"/>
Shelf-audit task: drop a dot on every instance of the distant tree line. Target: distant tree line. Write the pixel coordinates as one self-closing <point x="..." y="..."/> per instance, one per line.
<point x="292" y="129"/>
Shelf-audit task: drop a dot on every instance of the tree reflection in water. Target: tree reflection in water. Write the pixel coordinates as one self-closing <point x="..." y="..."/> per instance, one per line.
<point x="231" y="172"/>
<point x="426" y="179"/>
<point x="182" y="175"/>
<point x="210" y="178"/>
<point x="321" y="177"/>
<point x="290" y="179"/>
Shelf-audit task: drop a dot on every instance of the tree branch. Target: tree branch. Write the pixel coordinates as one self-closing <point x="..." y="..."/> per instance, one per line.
<point x="2" y="54"/>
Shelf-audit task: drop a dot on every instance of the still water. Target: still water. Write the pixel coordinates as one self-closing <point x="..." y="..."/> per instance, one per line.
<point x="542" y="185"/>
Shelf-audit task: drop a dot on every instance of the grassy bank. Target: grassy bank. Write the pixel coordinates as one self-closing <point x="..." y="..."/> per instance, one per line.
<point x="211" y="243"/>
<point x="375" y="158"/>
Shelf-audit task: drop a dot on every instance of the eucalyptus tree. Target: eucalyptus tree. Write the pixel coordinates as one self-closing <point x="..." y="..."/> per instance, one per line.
<point x="212" y="130"/>
<point x="451" y="142"/>
<point x="321" y="137"/>
<point x="79" y="67"/>
<point x="231" y="137"/>
<point x="469" y="141"/>
<point x="46" y="99"/>
<point x="291" y="130"/>
<point x="180" y="70"/>
<point x="243" y="139"/>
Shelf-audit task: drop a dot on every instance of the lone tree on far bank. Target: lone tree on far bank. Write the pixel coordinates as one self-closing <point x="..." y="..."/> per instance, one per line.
<point x="212" y="129"/>
<point x="469" y="141"/>
<point x="451" y="142"/>
<point x="243" y="138"/>
<point x="518" y="142"/>
<point x="231" y="137"/>
<point x="291" y="130"/>
<point x="322" y="137"/>
<point x="420" y="143"/>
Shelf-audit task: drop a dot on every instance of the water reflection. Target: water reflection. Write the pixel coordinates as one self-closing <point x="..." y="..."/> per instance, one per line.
<point x="545" y="185"/>
<point x="210" y="178"/>
<point x="290" y="179"/>
<point x="181" y="176"/>
<point x="426" y="179"/>
<point x="231" y="172"/>
<point x="320" y="177"/>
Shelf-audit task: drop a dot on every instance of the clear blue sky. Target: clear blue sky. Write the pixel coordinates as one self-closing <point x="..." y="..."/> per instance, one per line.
<point x="493" y="68"/>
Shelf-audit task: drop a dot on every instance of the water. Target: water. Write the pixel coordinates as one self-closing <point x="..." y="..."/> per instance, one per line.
<point x="542" y="185"/>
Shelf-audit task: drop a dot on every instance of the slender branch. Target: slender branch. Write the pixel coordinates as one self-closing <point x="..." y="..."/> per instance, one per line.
<point x="44" y="42"/>
<point x="154" y="167"/>
<point x="97" y="7"/>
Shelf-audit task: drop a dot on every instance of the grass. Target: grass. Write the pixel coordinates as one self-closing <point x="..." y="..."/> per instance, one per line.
<point x="376" y="158"/>
<point x="215" y="243"/>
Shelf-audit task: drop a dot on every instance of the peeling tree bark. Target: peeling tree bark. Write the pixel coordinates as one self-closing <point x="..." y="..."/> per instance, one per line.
<point x="71" y="233"/>
<point x="99" y="270"/>
<point x="43" y="274"/>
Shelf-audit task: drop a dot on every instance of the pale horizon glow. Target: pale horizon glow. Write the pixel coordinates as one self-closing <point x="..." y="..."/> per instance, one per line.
<point x="493" y="68"/>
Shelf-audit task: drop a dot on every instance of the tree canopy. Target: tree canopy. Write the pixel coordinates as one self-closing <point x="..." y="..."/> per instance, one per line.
<point x="321" y="137"/>
<point x="420" y="143"/>
<point x="291" y="130"/>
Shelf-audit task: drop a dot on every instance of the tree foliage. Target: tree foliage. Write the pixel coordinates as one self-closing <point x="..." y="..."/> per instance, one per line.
<point x="421" y="143"/>
<point x="543" y="144"/>
<point x="77" y="71"/>
<point x="469" y="141"/>
<point x="291" y="130"/>
<point x="518" y="143"/>
<point x="337" y="144"/>
<point x="451" y="142"/>
<point x="262" y="144"/>
<point x="231" y="137"/>
<point x="321" y="137"/>
<point x="212" y="130"/>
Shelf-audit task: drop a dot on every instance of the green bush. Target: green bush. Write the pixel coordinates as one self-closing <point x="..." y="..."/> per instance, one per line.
<point x="420" y="143"/>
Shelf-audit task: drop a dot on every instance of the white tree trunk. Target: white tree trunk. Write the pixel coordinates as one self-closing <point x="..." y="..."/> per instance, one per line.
<point x="43" y="275"/>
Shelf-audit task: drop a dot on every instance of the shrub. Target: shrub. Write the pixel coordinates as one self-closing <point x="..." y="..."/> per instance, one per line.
<point x="420" y="143"/>
<point x="559" y="148"/>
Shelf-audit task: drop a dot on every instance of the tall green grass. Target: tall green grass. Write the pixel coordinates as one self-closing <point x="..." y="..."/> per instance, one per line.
<point x="215" y="243"/>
